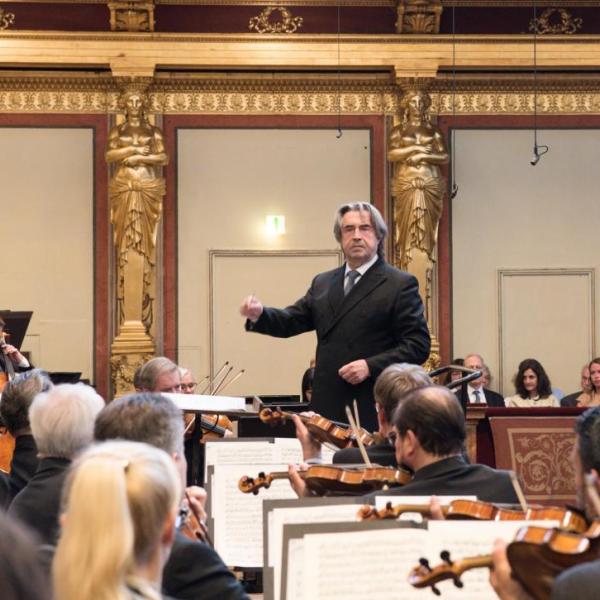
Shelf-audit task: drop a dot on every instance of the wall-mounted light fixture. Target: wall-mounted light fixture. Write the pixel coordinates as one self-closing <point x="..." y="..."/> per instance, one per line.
<point x="275" y="224"/>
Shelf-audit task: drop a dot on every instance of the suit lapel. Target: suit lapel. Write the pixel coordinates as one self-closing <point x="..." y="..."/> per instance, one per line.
<point x="372" y="279"/>
<point x="336" y="290"/>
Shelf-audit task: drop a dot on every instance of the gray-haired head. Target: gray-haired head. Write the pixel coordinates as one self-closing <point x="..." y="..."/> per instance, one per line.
<point x="150" y="372"/>
<point x="18" y="395"/>
<point x="377" y="221"/>
<point x="62" y="420"/>
<point x="146" y="417"/>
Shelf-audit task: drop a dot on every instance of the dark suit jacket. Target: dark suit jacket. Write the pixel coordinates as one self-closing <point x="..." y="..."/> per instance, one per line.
<point x="491" y="398"/>
<point x="581" y="582"/>
<point x="380" y="320"/>
<point x="195" y="571"/>
<point x="38" y="503"/>
<point x="22" y="468"/>
<point x="455" y="477"/>
<point x="570" y="400"/>
<point x="380" y="454"/>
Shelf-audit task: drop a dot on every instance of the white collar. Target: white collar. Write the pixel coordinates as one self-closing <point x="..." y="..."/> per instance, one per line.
<point x="364" y="267"/>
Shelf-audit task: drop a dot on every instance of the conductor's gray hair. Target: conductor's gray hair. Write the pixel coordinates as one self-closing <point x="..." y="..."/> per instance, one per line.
<point x="62" y="420"/>
<point x="377" y="222"/>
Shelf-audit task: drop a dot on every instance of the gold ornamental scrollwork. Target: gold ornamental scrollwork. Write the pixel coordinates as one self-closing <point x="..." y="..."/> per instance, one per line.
<point x="287" y="24"/>
<point x="6" y="19"/>
<point x="548" y="23"/>
<point x="418" y="16"/>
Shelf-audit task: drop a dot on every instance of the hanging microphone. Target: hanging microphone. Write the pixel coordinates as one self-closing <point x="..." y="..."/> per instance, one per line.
<point x="538" y="152"/>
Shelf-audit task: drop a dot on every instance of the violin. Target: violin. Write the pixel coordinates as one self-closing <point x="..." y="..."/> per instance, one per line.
<point x="192" y="528"/>
<point x="326" y="480"/>
<point x="324" y="430"/>
<point x="537" y="555"/>
<point x="213" y="426"/>
<point x="569" y="519"/>
<point x="9" y="374"/>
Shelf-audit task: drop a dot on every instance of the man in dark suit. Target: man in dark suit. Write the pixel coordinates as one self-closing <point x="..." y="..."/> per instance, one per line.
<point x="194" y="570"/>
<point x="62" y="422"/>
<point x="476" y="393"/>
<point x="367" y="315"/>
<point x="17" y="397"/>
<point x="11" y="360"/>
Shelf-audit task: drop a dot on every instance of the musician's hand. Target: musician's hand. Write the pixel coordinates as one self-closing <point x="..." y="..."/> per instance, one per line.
<point x="13" y="354"/>
<point x="501" y="578"/>
<point x="298" y="484"/>
<point x="435" y="509"/>
<point x="251" y="308"/>
<point x="311" y="448"/>
<point x="355" y="372"/>
<point x="196" y="497"/>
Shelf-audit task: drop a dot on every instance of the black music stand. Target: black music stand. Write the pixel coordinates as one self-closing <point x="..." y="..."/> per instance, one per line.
<point x="17" y="322"/>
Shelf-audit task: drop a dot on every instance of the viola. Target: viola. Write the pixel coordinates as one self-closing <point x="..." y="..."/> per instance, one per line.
<point x="334" y="480"/>
<point x="569" y="519"/>
<point x="324" y="430"/>
<point x="537" y="555"/>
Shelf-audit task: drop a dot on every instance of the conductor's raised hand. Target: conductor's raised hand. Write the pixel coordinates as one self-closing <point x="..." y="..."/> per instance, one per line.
<point x="251" y="308"/>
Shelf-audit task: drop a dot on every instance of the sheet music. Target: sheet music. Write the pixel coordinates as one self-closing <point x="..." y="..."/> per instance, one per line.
<point x="373" y="563"/>
<point x="362" y="564"/>
<point x="278" y="517"/>
<point x="237" y="516"/>
<point x="295" y="576"/>
<point x="230" y="452"/>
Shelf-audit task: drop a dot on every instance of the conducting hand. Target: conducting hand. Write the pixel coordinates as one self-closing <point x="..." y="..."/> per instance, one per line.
<point x="355" y="372"/>
<point x="251" y="308"/>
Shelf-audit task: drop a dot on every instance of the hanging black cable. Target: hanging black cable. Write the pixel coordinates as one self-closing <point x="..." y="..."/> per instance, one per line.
<point x="538" y="151"/>
<point x="453" y="186"/>
<point x="339" y="77"/>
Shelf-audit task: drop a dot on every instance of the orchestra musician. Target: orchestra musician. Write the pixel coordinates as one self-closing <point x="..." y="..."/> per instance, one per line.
<point x="366" y="314"/>
<point x="582" y="581"/>
<point x="11" y="360"/>
<point x="391" y="386"/>
<point x="194" y="570"/>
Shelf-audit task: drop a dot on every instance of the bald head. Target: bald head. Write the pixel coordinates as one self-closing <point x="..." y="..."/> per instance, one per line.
<point x="435" y="417"/>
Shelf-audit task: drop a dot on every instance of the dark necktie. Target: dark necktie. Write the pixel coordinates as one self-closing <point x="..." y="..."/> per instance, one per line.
<point x="476" y="394"/>
<point x="350" y="281"/>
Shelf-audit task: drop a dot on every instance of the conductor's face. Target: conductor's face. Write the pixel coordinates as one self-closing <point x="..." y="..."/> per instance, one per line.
<point x="359" y="241"/>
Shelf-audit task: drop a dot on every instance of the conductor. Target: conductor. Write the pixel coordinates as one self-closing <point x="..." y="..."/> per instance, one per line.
<point x="367" y="315"/>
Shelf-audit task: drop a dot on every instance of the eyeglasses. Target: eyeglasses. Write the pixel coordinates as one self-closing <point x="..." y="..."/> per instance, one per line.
<point x="191" y="387"/>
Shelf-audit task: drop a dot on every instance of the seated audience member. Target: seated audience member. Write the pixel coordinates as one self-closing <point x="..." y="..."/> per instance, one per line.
<point x="429" y="429"/>
<point x="580" y="582"/>
<point x="62" y="422"/>
<point x="391" y="386"/>
<point x="591" y="396"/>
<point x="121" y="503"/>
<point x="307" y="385"/>
<point x="10" y="353"/>
<point x="533" y="387"/>
<point x="477" y="393"/>
<point x="16" y="399"/>
<point x="159" y="374"/>
<point x="194" y="570"/>
<point x="571" y="399"/>
<point x="21" y="575"/>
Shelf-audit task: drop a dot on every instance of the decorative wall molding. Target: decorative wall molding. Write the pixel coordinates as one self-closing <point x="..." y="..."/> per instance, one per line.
<point x="369" y="95"/>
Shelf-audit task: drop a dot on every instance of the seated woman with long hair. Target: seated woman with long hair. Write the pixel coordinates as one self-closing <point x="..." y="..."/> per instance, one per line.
<point x="591" y="396"/>
<point x="533" y="387"/>
<point x="121" y="502"/>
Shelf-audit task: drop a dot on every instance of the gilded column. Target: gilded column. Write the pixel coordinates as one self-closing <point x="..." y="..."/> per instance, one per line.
<point x="416" y="149"/>
<point x="136" y="151"/>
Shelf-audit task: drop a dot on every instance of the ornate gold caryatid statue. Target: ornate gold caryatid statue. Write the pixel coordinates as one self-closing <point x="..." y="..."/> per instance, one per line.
<point x="417" y="149"/>
<point x="136" y="191"/>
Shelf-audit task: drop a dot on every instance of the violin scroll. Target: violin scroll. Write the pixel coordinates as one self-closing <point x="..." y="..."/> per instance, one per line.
<point x="252" y="485"/>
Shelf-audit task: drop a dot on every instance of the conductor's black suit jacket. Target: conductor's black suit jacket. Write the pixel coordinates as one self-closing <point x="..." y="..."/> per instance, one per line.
<point x="381" y="321"/>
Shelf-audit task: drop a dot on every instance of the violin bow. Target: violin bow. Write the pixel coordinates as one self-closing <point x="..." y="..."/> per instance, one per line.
<point x="223" y="385"/>
<point x="211" y="382"/>
<point x="519" y="491"/>
<point x="361" y="446"/>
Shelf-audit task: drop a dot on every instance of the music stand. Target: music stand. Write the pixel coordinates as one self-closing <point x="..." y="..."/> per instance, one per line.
<point x="17" y="322"/>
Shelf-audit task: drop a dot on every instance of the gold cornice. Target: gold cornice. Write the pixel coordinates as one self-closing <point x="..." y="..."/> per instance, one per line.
<point x="389" y="3"/>
<point x="294" y="96"/>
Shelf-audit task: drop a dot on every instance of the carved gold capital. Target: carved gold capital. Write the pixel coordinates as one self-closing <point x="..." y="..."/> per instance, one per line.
<point x="418" y="16"/>
<point x="122" y="371"/>
<point x="131" y="15"/>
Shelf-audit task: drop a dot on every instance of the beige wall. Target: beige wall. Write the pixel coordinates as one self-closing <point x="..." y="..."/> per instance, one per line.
<point x="511" y="216"/>
<point x="228" y="180"/>
<point x="47" y="240"/>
